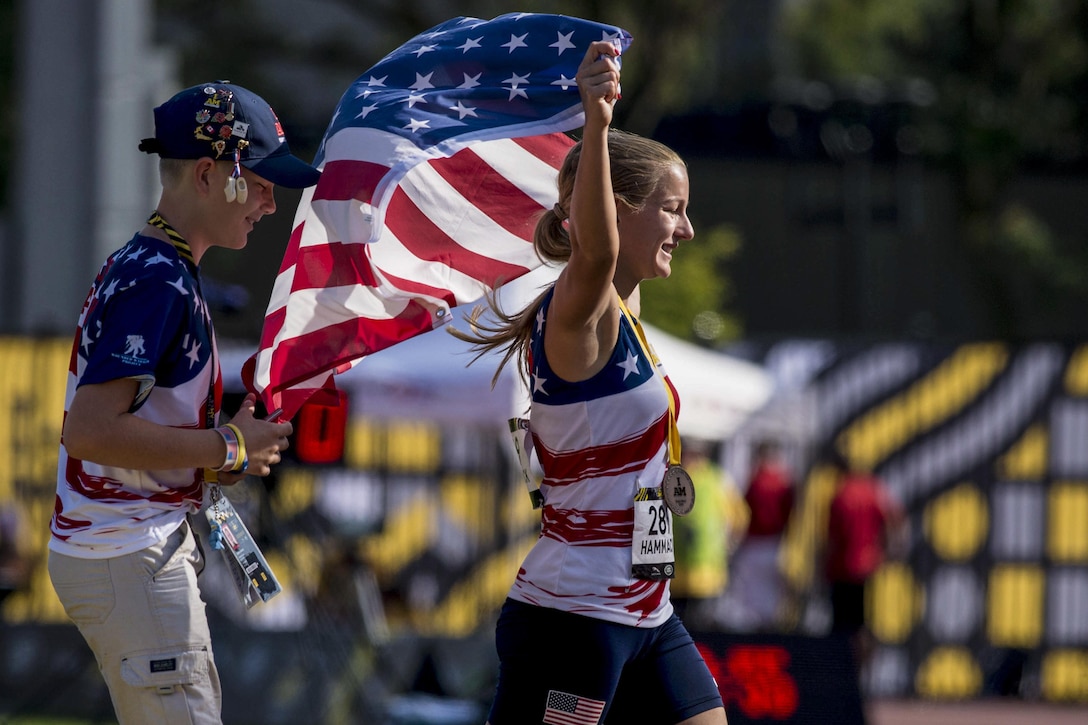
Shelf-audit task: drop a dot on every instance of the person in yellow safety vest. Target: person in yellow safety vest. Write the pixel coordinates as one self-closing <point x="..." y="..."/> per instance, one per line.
<point x="705" y="538"/>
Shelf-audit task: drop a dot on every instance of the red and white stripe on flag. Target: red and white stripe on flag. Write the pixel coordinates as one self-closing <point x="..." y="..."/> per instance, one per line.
<point x="564" y="708"/>
<point x="354" y="281"/>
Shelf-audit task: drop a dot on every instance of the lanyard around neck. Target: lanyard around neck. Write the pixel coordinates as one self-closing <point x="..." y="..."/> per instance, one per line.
<point x="674" y="431"/>
<point x="176" y="239"/>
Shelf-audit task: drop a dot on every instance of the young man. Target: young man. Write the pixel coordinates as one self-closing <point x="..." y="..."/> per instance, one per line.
<point x="141" y="440"/>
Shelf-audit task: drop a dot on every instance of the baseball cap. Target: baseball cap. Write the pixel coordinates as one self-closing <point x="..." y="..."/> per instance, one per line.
<point x="216" y="120"/>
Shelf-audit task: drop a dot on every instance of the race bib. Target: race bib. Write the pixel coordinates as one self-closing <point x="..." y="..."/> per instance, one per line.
<point x="651" y="542"/>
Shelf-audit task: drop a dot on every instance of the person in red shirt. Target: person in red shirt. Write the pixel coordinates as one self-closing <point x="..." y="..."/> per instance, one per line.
<point x="758" y="584"/>
<point x="863" y="518"/>
<point x="770" y="494"/>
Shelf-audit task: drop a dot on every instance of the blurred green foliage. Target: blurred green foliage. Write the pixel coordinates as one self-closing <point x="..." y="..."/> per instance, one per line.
<point x="1011" y="95"/>
<point x="1005" y="91"/>
<point x="693" y="302"/>
<point x="661" y="76"/>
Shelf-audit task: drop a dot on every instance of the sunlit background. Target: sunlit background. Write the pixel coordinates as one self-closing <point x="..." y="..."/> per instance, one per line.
<point x="889" y="201"/>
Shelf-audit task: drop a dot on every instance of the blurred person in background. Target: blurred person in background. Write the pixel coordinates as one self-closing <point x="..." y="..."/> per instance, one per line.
<point x="864" y="523"/>
<point x="706" y="538"/>
<point x="759" y="586"/>
<point x="15" y="559"/>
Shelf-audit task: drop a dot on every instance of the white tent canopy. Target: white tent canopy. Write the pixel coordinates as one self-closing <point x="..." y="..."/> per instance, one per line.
<point x="717" y="392"/>
<point x="429" y="377"/>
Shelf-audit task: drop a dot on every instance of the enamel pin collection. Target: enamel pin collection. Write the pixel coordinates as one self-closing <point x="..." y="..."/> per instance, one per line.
<point x="216" y="123"/>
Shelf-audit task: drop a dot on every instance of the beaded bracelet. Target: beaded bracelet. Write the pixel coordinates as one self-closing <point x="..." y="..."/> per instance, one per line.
<point x="241" y="465"/>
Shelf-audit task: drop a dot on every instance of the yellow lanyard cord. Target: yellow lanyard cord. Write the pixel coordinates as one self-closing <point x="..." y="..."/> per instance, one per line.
<point x="176" y="239"/>
<point x="674" y="431"/>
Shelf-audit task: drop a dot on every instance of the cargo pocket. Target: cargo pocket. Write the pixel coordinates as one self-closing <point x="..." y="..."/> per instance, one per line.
<point x="163" y="670"/>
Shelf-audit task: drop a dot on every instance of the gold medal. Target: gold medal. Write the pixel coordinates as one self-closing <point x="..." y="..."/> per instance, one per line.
<point x="678" y="490"/>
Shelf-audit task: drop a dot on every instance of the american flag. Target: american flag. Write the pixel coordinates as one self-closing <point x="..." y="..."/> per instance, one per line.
<point x="564" y="708"/>
<point x="435" y="166"/>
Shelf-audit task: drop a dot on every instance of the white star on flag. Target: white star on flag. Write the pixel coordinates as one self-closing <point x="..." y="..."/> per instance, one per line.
<point x="563" y="43"/>
<point x="469" y="44"/>
<point x="423" y="82"/>
<point x="470" y="82"/>
<point x="435" y="166"/>
<point x="516" y="41"/>
<point x="463" y="110"/>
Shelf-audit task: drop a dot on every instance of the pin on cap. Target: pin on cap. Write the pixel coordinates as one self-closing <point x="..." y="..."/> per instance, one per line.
<point x="221" y="120"/>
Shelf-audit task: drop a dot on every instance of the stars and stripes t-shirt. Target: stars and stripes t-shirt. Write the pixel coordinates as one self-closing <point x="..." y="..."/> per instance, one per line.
<point x="598" y="441"/>
<point x="144" y="319"/>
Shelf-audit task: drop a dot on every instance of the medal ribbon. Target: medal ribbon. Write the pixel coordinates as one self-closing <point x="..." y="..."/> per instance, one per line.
<point x="674" y="431"/>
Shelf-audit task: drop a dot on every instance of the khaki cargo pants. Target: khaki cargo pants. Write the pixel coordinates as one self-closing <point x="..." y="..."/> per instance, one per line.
<point x="143" y="618"/>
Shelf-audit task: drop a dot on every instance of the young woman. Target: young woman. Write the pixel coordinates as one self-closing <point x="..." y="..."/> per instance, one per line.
<point x="588" y="633"/>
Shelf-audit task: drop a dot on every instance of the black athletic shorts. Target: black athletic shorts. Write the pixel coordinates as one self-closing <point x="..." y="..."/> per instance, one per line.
<point x="559" y="667"/>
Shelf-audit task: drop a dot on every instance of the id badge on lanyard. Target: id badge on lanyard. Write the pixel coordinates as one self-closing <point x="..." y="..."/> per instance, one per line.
<point x="651" y="542"/>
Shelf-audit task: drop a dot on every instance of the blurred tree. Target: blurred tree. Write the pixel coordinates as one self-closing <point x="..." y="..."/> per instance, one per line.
<point x="1010" y="77"/>
<point x="303" y="62"/>
<point x="693" y="303"/>
<point x="336" y="40"/>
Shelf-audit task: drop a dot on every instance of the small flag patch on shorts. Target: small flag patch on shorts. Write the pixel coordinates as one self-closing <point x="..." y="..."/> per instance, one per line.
<point x="564" y="708"/>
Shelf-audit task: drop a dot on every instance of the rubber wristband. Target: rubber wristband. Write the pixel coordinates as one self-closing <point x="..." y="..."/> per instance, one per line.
<point x="233" y="448"/>
<point x="242" y="464"/>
